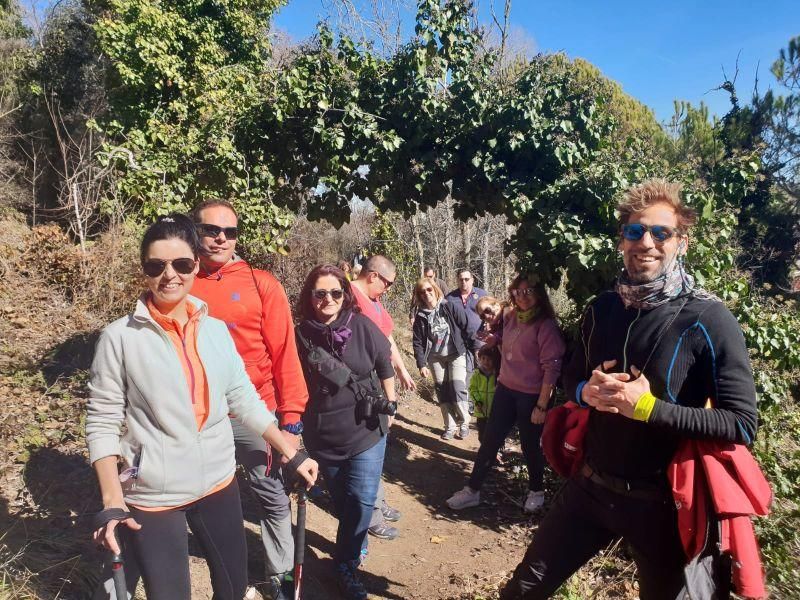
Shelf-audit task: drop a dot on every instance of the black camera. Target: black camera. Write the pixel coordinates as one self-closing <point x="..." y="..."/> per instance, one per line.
<point x="370" y="405"/>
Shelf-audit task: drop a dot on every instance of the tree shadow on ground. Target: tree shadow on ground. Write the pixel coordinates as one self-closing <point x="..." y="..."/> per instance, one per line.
<point x="441" y="468"/>
<point x="70" y="356"/>
<point x="45" y="531"/>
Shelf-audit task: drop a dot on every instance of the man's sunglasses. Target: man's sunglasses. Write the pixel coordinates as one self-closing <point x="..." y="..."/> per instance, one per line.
<point x="633" y="232"/>
<point x="213" y="231"/>
<point x="385" y="281"/>
<point x="321" y="294"/>
<point x="182" y="266"/>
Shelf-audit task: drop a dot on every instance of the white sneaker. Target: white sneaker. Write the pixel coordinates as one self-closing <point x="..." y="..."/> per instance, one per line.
<point x="464" y="498"/>
<point x="250" y="594"/>
<point x="534" y="502"/>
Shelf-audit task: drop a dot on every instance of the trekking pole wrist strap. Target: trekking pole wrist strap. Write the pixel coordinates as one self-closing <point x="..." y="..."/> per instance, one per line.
<point x="102" y="518"/>
<point x="296" y="461"/>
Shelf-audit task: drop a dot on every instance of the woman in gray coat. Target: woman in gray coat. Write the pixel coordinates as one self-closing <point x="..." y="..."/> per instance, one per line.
<point x="441" y="340"/>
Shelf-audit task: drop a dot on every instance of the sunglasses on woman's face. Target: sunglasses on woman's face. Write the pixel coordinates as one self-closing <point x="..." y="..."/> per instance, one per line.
<point x="321" y="294"/>
<point x="213" y="231"/>
<point x="154" y="267"/>
<point x="487" y="313"/>
<point x="427" y="290"/>
<point x="522" y="292"/>
<point x="633" y="232"/>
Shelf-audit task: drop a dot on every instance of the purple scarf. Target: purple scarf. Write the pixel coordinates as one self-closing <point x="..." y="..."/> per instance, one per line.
<point x="337" y="334"/>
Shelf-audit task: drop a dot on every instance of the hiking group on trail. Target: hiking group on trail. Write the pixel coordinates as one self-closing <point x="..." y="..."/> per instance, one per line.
<point x="211" y="371"/>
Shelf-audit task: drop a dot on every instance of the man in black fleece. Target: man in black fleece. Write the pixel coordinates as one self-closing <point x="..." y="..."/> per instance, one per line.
<point x="658" y="360"/>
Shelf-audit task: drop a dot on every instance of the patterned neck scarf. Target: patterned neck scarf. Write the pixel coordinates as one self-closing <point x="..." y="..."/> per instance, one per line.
<point x="670" y="285"/>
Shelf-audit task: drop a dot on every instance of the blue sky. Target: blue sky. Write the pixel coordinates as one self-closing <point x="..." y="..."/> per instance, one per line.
<point x="658" y="51"/>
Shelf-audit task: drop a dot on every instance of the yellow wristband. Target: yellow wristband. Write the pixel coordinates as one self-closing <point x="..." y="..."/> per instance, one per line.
<point x="644" y="407"/>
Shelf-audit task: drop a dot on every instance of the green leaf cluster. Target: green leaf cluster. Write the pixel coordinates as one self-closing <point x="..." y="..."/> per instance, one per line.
<point x="184" y="76"/>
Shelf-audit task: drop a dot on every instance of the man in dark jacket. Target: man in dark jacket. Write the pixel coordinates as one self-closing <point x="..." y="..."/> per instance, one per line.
<point x="654" y="352"/>
<point x="466" y="297"/>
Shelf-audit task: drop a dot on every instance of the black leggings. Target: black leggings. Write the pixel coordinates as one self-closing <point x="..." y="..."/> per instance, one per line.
<point x="510" y="408"/>
<point x="584" y="519"/>
<point x="161" y="546"/>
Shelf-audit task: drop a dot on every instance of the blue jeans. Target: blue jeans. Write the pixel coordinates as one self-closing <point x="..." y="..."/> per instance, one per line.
<point x="353" y="485"/>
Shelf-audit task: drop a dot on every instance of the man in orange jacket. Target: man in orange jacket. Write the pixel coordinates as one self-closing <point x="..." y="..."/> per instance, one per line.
<point x="253" y="304"/>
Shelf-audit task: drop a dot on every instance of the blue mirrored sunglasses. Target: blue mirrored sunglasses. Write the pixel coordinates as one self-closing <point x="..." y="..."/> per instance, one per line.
<point x="635" y="231"/>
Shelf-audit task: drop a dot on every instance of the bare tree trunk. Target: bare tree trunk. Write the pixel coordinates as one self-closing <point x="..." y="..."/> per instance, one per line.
<point x="467" y="246"/>
<point x="418" y="242"/>
<point x="509" y="230"/>
<point x="485" y="267"/>
<point x="448" y="236"/>
<point x="75" y="196"/>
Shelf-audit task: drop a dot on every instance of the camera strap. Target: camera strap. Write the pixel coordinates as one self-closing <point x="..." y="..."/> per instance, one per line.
<point x="317" y="355"/>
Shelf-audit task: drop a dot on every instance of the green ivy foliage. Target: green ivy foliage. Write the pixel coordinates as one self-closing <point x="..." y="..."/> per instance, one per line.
<point x="185" y="74"/>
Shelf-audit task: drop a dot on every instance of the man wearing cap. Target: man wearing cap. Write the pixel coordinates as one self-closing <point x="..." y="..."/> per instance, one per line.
<point x="653" y="353"/>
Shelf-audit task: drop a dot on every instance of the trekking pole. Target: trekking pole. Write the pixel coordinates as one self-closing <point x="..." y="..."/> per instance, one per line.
<point x="118" y="573"/>
<point x="117" y="563"/>
<point x="299" y="543"/>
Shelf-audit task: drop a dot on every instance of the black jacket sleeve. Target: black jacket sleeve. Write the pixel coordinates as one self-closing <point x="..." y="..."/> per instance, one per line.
<point x="457" y="319"/>
<point x="419" y="339"/>
<point x="577" y="369"/>
<point x="733" y="416"/>
<point x="367" y="335"/>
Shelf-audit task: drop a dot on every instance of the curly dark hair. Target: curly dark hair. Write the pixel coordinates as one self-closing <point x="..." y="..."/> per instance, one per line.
<point x="305" y="306"/>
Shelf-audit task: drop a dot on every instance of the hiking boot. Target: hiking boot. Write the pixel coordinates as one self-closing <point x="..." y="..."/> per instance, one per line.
<point x="278" y="587"/>
<point x="534" y="502"/>
<point x="390" y="514"/>
<point x="464" y="498"/>
<point x="349" y="585"/>
<point x="448" y="434"/>
<point x="383" y="531"/>
<point x="463" y="432"/>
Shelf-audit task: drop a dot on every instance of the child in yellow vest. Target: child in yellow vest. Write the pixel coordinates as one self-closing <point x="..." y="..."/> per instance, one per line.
<point x="482" y="384"/>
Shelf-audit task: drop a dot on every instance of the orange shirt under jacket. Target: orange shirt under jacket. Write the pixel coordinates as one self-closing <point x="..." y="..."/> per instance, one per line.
<point x="185" y="341"/>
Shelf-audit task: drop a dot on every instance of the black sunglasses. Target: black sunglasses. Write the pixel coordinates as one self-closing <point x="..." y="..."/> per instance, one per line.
<point x="182" y="266"/>
<point x="213" y="231"/>
<point x="385" y="281"/>
<point x="523" y="292"/>
<point x="321" y="294"/>
<point x="635" y="231"/>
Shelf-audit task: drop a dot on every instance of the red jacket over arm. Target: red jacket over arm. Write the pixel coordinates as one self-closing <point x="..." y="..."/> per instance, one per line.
<point x="726" y="478"/>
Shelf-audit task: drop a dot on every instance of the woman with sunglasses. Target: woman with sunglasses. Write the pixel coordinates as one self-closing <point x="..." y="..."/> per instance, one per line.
<point x="441" y="339"/>
<point x="531" y="352"/>
<point x="163" y="382"/>
<point x="347" y="364"/>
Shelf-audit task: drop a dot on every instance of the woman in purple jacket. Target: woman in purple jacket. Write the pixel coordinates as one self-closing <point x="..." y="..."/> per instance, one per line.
<point x="531" y="353"/>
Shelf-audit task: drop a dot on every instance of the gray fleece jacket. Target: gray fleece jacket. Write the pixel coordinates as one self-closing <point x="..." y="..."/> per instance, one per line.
<point x="137" y="381"/>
